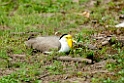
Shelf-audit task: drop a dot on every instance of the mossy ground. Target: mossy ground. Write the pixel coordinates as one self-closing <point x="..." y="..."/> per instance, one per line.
<point x="20" y="18"/>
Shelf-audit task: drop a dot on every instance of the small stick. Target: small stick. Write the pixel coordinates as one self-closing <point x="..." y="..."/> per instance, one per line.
<point x="67" y="58"/>
<point x="42" y="76"/>
<point x="101" y="71"/>
<point x="22" y="33"/>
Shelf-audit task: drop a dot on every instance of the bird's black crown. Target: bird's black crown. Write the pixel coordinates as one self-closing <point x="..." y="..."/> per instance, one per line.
<point x="63" y="35"/>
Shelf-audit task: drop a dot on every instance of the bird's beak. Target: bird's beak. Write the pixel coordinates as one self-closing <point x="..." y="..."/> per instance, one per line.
<point x="74" y="41"/>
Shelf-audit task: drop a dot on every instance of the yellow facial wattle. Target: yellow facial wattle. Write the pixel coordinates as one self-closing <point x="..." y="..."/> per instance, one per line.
<point x="69" y="40"/>
<point x="70" y="43"/>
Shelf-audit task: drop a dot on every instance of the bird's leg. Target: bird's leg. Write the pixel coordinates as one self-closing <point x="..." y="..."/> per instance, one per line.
<point x="67" y="53"/>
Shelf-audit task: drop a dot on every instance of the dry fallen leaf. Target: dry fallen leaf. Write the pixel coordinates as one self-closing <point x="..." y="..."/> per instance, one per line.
<point x="120" y="25"/>
<point x="57" y="33"/>
<point x="75" y="1"/>
<point x="85" y="14"/>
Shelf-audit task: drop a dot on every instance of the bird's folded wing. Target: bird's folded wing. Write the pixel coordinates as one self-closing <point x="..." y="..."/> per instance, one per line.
<point x="44" y="43"/>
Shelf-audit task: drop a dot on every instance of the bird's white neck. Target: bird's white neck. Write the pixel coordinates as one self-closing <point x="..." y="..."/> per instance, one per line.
<point x="64" y="46"/>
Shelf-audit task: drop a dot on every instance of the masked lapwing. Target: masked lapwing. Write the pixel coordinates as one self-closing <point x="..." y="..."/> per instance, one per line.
<point x="46" y="43"/>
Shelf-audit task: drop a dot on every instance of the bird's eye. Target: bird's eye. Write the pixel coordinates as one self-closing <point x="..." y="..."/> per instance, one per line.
<point x="66" y="37"/>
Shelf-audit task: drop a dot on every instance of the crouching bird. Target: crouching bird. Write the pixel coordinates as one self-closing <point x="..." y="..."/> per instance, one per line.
<point x="45" y="44"/>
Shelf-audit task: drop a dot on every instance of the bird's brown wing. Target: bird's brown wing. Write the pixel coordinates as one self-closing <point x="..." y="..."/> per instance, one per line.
<point x="44" y="43"/>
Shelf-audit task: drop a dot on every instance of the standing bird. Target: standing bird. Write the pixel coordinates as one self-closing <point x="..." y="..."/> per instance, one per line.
<point x="45" y="44"/>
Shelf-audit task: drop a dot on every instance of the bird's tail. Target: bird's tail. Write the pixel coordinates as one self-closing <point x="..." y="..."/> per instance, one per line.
<point x="31" y="36"/>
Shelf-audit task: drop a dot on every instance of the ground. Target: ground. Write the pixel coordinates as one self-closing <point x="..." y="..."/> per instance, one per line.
<point x="92" y="25"/>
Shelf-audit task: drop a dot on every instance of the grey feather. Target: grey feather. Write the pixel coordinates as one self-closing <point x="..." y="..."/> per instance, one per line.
<point x="44" y="44"/>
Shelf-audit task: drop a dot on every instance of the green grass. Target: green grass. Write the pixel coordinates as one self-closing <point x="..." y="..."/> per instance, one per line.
<point x="47" y="17"/>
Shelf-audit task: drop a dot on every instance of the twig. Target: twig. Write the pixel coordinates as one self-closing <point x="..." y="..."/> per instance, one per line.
<point x="105" y="43"/>
<point x="42" y="76"/>
<point x="67" y="58"/>
<point x="17" y="55"/>
<point x="22" y="33"/>
<point x="100" y="71"/>
<point x="6" y="3"/>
